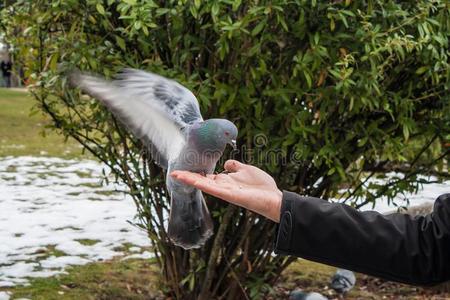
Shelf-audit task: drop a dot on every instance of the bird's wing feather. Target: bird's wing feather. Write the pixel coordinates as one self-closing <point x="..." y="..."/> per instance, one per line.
<point x="174" y="99"/>
<point x="154" y="108"/>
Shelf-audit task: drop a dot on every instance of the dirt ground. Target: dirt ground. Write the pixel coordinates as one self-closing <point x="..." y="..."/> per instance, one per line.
<point x="313" y="277"/>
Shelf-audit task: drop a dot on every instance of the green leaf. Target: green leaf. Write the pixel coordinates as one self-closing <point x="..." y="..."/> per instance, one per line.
<point x="162" y="11"/>
<point x="405" y="132"/>
<point x="192" y="283"/>
<point x="54" y="62"/>
<point x="194" y="11"/>
<point x="145" y="30"/>
<point x="120" y="41"/>
<point x="215" y="8"/>
<point x="332" y="24"/>
<point x="236" y="4"/>
<point x="259" y="27"/>
<point x="363" y="141"/>
<point x="283" y="23"/>
<point x="421" y="70"/>
<point x="100" y="8"/>
<point x="92" y="19"/>
<point x="308" y="78"/>
<point x="316" y="38"/>
<point x="341" y="172"/>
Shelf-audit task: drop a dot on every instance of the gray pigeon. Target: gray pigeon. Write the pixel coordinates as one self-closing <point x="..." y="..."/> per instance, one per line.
<point x="343" y="281"/>
<point x="166" y="117"/>
<point x="300" y="295"/>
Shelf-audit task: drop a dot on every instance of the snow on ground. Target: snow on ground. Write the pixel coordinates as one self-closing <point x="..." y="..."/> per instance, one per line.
<point x="4" y="296"/>
<point x="55" y="213"/>
<point x="426" y="194"/>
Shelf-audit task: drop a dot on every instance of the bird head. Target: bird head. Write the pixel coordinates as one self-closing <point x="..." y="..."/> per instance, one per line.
<point x="215" y="134"/>
<point x="343" y="281"/>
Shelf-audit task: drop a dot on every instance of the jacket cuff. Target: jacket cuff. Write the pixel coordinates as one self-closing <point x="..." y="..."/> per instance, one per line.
<point x="285" y="227"/>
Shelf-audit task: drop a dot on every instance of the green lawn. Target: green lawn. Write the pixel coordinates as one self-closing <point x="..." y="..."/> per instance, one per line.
<point x="138" y="279"/>
<point x="134" y="279"/>
<point x="22" y="133"/>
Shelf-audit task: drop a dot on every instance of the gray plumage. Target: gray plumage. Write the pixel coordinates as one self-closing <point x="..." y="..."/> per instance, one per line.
<point x="166" y="117"/>
<point x="343" y="281"/>
<point x="300" y="295"/>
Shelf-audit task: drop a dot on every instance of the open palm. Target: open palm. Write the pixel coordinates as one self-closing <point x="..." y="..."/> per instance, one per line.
<point x="241" y="184"/>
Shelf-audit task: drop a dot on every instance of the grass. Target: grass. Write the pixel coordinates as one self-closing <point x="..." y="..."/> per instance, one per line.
<point x="48" y="251"/>
<point x="22" y="133"/>
<point x="131" y="279"/>
<point x="136" y="279"/>
<point x="87" y="242"/>
<point x="313" y="277"/>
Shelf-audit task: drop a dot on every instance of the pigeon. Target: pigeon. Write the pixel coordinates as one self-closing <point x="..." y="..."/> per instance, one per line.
<point x="343" y="281"/>
<point x="300" y="295"/>
<point x="166" y="117"/>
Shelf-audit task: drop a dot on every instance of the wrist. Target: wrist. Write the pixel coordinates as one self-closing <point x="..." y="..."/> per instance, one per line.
<point x="276" y="210"/>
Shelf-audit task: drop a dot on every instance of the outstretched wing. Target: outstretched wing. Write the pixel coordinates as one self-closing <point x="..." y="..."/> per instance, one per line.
<point x="174" y="99"/>
<point x="154" y="108"/>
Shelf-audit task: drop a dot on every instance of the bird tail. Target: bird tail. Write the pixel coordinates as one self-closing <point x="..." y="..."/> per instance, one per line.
<point x="190" y="223"/>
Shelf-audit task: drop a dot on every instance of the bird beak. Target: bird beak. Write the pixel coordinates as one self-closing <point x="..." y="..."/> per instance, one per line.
<point x="233" y="144"/>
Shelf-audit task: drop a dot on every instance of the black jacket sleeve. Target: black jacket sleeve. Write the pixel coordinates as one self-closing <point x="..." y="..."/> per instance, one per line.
<point x="395" y="247"/>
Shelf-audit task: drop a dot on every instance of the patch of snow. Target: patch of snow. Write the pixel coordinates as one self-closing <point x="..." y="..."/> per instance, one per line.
<point x="62" y="261"/>
<point x="17" y="269"/>
<point x="428" y="193"/>
<point x="51" y="204"/>
<point x="4" y="296"/>
<point x="143" y="255"/>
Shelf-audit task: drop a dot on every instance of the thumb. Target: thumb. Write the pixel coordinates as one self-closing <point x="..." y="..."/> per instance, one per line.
<point x="233" y="165"/>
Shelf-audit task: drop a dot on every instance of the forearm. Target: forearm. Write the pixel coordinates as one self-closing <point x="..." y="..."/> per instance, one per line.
<point x="395" y="247"/>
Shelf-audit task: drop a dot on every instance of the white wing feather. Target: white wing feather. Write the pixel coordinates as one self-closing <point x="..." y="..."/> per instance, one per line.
<point x="149" y="106"/>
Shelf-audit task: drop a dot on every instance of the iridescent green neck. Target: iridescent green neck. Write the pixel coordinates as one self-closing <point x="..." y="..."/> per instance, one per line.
<point x="207" y="136"/>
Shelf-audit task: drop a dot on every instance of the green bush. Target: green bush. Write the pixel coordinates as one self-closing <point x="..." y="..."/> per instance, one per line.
<point x="325" y="94"/>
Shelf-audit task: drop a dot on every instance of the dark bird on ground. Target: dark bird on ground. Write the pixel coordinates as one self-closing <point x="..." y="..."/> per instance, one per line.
<point x="343" y="281"/>
<point x="166" y="117"/>
<point x="300" y="295"/>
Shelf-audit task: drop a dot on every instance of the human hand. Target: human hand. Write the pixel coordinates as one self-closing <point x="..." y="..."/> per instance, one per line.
<point x="243" y="185"/>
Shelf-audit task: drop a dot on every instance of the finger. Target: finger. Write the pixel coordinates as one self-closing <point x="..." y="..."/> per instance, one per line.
<point x="186" y="177"/>
<point x="212" y="188"/>
<point x="232" y="165"/>
<point x="206" y="184"/>
<point x="221" y="177"/>
<point x="194" y="179"/>
<point x="179" y="173"/>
